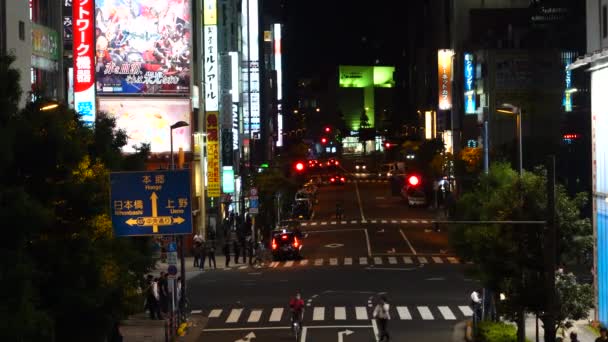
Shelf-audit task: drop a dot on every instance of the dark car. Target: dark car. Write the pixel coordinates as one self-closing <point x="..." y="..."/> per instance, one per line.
<point x="337" y="179"/>
<point x="285" y="244"/>
<point x="301" y="210"/>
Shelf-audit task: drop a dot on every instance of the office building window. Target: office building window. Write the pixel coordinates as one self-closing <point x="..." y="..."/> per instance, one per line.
<point x="21" y="30"/>
<point x="604" y="21"/>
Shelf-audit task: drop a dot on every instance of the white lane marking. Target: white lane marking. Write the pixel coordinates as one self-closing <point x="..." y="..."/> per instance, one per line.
<point x="359" y="201"/>
<point x="304" y="262"/>
<point x="361" y="313"/>
<point x="374" y="221"/>
<point x="403" y="221"/>
<point x="363" y="261"/>
<point x="339" y="313"/>
<point x="404" y="313"/>
<point x="323" y="223"/>
<point x="466" y="310"/>
<point x="318" y="262"/>
<point x="333" y="222"/>
<point x="393" y="221"/>
<point x="446" y="313"/>
<point x="274" y="264"/>
<point x="196" y="311"/>
<point x="318" y="313"/>
<point x="392" y="260"/>
<point x="343" y="222"/>
<point x="424" y="221"/>
<point x="313" y="223"/>
<point x="234" y="315"/>
<point x="353" y="221"/>
<point x="422" y="260"/>
<point x="254" y="316"/>
<point x="374" y="326"/>
<point x="437" y="260"/>
<point x="414" y="221"/>
<point x="288" y="263"/>
<point x="215" y="313"/>
<point x="407" y="241"/>
<point x="333" y="261"/>
<point x="383" y="221"/>
<point x="243" y="267"/>
<point x="425" y="312"/>
<point x="408" y="260"/>
<point x="275" y="315"/>
<point x="369" y="247"/>
<point x="348" y="261"/>
<point x="304" y="224"/>
<point x="378" y="260"/>
<point x="452" y="260"/>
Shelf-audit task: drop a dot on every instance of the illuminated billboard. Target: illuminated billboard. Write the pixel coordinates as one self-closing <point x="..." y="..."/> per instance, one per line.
<point x="470" y="105"/>
<point x="250" y="68"/>
<point x="213" y="154"/>
<point x="143" y="46"/>
<point x="278" y="66"/>
<point x="444" y="62"/>
<point x="149" y="121"/>
<point x="84" y="78"/>
<point x="353" y="76"/>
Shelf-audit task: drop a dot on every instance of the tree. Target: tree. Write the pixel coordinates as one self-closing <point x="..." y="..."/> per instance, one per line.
<point x="68" y="277"/>
<point x="509" y="258"/>
<point x="575" y="300"/>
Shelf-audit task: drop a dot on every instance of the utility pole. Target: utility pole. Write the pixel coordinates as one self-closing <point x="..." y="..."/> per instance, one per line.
<point x="550" y="249"/>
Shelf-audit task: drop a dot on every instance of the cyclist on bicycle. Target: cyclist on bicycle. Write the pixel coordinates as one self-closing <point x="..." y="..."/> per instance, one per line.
<point x="296" y="305"/>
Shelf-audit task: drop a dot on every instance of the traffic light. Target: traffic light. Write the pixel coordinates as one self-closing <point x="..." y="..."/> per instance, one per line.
<point x="413" y="180"/>
<point x="324" y="140"/>
<point x="387" y="144"/>
<point x="327" y="129"/>
<point x="299" y="166"/>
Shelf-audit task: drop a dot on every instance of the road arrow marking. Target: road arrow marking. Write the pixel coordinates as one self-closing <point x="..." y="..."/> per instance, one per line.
<point x="247" y="337"/>
<point x="154" y="199"/>
<point x="342" y="333"/>
<point x="334" y="245"/>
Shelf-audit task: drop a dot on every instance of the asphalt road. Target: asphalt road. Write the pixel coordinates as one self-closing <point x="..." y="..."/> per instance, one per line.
<point x="381" y="247"/>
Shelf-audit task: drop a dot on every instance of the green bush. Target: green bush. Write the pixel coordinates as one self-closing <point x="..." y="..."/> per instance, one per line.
<point x="488" y="331"/>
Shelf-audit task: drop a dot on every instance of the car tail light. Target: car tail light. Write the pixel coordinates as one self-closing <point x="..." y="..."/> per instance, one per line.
<point x="332" y="180"/>
<point x="274" y="244"/>
<point x="342" y="179"/>
<point x="296" y="243"/>
<point x="336" y="162"/>
<point x="284" y="237"/>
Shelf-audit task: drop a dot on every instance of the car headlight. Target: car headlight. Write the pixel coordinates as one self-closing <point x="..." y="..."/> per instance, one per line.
<point x="357" y="167"/>
<point x="363" y="167"/>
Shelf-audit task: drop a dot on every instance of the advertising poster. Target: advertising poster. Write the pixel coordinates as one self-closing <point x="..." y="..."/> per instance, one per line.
<point x="84" y="52"/>
<point x="444" y="59"/>
<point x="149" y="121"/>
<point x="213" y="155"/>
<point x="470" y="105"/>
<point x="143" y="46"/>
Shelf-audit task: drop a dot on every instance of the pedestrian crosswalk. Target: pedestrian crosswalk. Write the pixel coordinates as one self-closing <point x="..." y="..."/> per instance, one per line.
<point x="369" y="221"/>
<point x="321" y="313"/>
<point x="366" y="261"/>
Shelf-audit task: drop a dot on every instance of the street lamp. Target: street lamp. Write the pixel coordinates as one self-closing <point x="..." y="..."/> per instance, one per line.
<point x="514" y="110"/>
<point x="182" y="258"/>
<point x="49" y="107"/>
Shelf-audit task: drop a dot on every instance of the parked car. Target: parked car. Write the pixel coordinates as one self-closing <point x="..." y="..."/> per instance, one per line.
<point x="286" y="245"/>
<point x="414" y="196"/>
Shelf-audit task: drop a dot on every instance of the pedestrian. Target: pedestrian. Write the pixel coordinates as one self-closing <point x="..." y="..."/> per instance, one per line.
<point x="211" y="253"/>
<point x="202" y="252"/>
<point x="382" y="316"/>
<point x="235" y="245"/>
<point x="163" y="290"/>
<point x="476" y="304"/>
<point x="603" y="335"/>
<point x="196" y="243"/>
<point x="243" y="246"/>
<point x="151" y="302"/>
<point x="574" y="337"/>
<point x="227" y="253"/>
<point x="250" y="248"/>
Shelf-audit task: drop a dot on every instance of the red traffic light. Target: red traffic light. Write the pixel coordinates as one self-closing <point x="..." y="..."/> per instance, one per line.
<point x="327" y="129"/>
<point x="323" y="140"/>
<point x="413" y="180"/>
<point x="387" y="145"/>
<point x="299" y="166"/>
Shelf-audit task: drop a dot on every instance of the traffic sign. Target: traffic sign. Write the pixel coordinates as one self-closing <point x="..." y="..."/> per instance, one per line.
<point x="172" y="247"/>
<point x="253" y="192"/>
<point x="254" y="204"/>
<point x="172" y="270"/>
<point x="151" y="202"/>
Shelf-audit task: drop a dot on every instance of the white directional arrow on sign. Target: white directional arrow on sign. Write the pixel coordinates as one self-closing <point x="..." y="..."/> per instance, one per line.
<point x="341" y="334"/>
<point x="247" y="337"/>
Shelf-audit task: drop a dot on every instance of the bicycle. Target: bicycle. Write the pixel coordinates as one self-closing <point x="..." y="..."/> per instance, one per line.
<point x="296" y="325"/>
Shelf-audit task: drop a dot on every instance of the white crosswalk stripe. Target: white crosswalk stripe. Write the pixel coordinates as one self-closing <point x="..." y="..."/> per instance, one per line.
<point x="313" y="223"/>
<point x="392" y="260"/>
<point x="393" y="221"/>
<point x="333" y="261"/>
<point x="437" y="260"/>
<point x="339" y="313"/>
<point x="254" y="316"/>
<point x="363" y="261"/>
<point x="343" y="222"/>
<point x="403" y="221"/>
<point x="424" y="221"/>
<point x="408" y="260"/>
<point x="348" y="261"/>
<point x="404" y="313"/>
<point x="422" y="260"/>
<point x="353" y="221"/>
<point x="378" y="260"/>
<point x="318" y="313"/>
<point x="288" y="263"/>
<point x="234" y="316"/>
<point x="466" y="310"/>
<point x="323" y="223"/>
<point x="383" y="221"/>
<point x="304" y="262"/>
<point x="333" y="222"/>
<point x="318" y="262"/>
<point x="446" y="313"/>
<point x="361" y="313"/>
<point x="275" y="315"/>
<point x="215" y="313"/>
<point x="425" y="312"/>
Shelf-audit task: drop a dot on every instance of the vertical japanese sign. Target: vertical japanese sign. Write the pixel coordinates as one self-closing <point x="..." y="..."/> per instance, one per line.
<point x="211" y="68"/>
<point x="444" y="59"/>
<point x="213" y="155"/>
<point x="84" y="80"/>
<point x="278" y="66"/>
<point x="470" y="105"/>
<point x="251" y="70"/>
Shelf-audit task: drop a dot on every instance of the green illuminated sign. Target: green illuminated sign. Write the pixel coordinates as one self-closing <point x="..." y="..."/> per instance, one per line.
<point x="264" y="165"/>
<point x="228" y="179"/>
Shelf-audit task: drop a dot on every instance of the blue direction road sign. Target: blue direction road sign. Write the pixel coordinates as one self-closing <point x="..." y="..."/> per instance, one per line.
<point x="151" y="202"/>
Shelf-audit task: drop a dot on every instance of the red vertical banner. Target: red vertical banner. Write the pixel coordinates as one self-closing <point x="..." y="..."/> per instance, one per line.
<point x="83" y="13"/>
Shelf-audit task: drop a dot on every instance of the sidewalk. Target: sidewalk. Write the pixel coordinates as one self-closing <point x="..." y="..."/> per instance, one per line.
<point x="585" y="334"/>
<point x="192" y="271"/>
